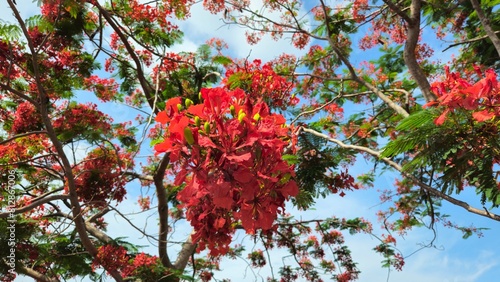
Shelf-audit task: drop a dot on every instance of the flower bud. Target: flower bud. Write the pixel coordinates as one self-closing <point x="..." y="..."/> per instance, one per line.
<point x="188" y="135"/>
<point x="179" y="107"/>
<point x="241" y="116"/>
<point x="207" y="127"/>
<point x="188" y="103"/>
<point x="197" y="121"/>
<point x="233" y="111"/>
<point x="256" y="117"/>
<point x="285" y="178"/>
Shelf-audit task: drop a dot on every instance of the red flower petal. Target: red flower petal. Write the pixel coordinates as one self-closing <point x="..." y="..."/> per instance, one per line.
<point x="162" y="117"/>
<point x="482" y="115"/>
<point x="441" y="118"/>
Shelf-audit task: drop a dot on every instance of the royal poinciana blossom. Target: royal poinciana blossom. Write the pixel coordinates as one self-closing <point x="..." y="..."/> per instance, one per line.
<point x="482" y="98"/>
<point x="225" y="144"/>
<point x="141" y="266"/>
<point x="261" y="81"/>
<point x="228" y="150"/>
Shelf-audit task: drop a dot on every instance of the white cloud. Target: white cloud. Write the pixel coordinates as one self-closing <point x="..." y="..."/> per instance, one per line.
<point x="202" y="26"/>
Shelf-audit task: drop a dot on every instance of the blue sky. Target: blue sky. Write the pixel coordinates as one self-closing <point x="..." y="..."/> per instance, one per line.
<point x="453" y="259"/>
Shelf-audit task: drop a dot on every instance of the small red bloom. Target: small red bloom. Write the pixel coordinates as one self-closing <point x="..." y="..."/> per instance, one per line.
<point x="454" y="93"/>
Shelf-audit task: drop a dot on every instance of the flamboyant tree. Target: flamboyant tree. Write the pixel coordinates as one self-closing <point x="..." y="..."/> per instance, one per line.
<point x="234" y="139"/>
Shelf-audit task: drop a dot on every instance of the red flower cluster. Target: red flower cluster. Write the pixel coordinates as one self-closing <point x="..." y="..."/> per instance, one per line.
<point x="482" y="97"/>
<point x="9" y="52"/>
<point x="358" y="7"/>
<point x="229" y="152"/>
<point x="14" y="151"/>
<point x="111" y="258"/>
<point x="58" y="55"/>
<point x="143" y="266"/>
<point x="144" y="203"/>
<point x="99" y="177"/>
<point x="261" y="82"/>
<point x="214" y="6"/>
<point x="300" y="39"/>
<point x="147" y="13"/>
<point x="26" y="119"/>
<point x="342" y="181"/>
<point x="147" y="268"/>
<point x="383" y="30"/>
<point x="80" y="119"/>
<point x="144" y="260"/>
<point x="105" y="88"/>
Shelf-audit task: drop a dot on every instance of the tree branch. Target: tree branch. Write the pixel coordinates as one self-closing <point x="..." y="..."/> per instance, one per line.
<point x="134" y="226"/>
<point x="353" y="73"/>
<point x="316" y="109"/>
<point x="479" y="38"/>
<point x="101" y="236"/>
<point x="70" y="179"/>
<point x="188" y="248"/>
<point x="146" y="87"/>
<point x="162" y="210"/>
<point x="22" y="135"/>
<point x="485" y="21"/>
<point x="322" y="77"/>
<point x="35" y="274"/>
<point x="399" y="168"/>
<point x="101" y="213"/>
<point x="38" y="202"/>
<point x="398" y="11"/>
<point x="413" y="35"/>
<point x="18" y="93"/>
<point x="136" y="175"/>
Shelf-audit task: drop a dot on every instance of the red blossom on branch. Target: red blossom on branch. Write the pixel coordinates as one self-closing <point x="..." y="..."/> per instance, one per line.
<point x="112" y="258"/>
<point x="100" y="177"/>
<point x="26" y="119"/>
<point x="481" y="98"/>
<point x="229" y="152"/>
<point x="261" y="82"/>
<point x="79" y="119"/>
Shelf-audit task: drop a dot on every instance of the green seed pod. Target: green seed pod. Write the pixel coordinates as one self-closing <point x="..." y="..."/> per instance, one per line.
<point x="207" y="127"/>
<point x="188" y="103"/>
<point x="188" y="135"/>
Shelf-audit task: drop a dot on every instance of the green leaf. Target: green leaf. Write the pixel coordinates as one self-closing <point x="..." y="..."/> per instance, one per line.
<point x="156" y="141"/>
<point x="10" y="32"/>
<point x="416" y="125"/>
<point x="291" y="159"/>
<point x="416" y="120"/>
<point x="222" y="60"/>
